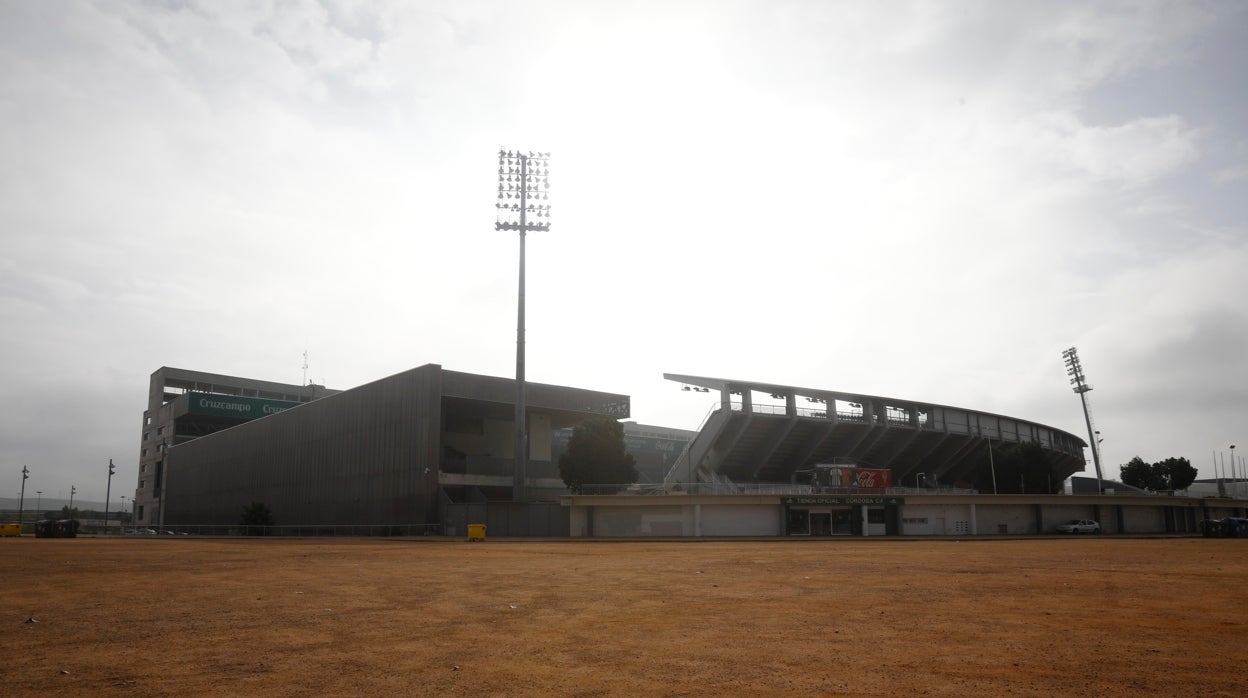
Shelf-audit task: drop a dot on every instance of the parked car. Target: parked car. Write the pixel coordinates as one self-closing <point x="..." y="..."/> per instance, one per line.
<point x="1079" y="526"/>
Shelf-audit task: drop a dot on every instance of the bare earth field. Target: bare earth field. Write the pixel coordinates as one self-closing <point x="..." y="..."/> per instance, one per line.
<point x="1070" y="617"/>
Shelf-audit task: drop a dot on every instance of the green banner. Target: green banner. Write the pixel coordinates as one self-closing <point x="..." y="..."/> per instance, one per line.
<point x="842" y="501"/>
<point x="233" y="406"/>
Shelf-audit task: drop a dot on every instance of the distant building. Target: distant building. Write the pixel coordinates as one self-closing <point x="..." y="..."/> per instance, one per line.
<point x="184" y="405"/>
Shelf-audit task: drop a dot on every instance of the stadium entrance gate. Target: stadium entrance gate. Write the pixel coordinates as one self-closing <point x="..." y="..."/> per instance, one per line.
<point x="841" y="516"/>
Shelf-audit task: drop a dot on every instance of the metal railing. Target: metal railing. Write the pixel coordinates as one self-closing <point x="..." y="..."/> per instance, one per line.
<point x="294" y="531"/>
<point x="687" y="488"/>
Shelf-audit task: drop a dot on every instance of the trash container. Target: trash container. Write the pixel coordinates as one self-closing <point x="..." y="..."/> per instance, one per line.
<point x="476" y="531"/>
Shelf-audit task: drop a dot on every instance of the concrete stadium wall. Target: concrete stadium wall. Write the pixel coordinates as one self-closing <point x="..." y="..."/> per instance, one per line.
<point x="1143" y="520"/>
<point x="740" y="520"/>
<point x="942" y="519"/>
<point x="948" y="515"/>
<point x="1008" y="519"/>
<point x="612" y="522"/>
<point x="1061" y="513"/>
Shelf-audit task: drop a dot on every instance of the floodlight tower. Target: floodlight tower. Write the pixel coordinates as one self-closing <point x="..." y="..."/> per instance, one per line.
<point x="522" y="180"/>
<point x="21" y="503"/>
<point x="1077" y="379"/>
<point x="108" y="493"/>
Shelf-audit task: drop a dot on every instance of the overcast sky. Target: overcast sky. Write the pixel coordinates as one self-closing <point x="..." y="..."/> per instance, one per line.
<point x="927" y="201"/>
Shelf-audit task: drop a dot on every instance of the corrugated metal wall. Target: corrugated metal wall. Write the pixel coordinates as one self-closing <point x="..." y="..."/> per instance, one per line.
<point x="368" y="456"/>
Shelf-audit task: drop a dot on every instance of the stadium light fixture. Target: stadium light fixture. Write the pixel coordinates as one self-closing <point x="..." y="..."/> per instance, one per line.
<point x="523" y="190"/>
<point x="1077" y="379"/>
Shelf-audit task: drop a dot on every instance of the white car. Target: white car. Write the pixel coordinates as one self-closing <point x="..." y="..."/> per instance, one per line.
<point x="1079" y="526"/>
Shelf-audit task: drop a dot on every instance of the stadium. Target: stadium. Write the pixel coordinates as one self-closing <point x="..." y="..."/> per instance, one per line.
<point x="430" y="451"/>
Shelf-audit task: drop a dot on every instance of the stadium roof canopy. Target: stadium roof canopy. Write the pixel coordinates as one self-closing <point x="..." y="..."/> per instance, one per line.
<point x="764" y="432"/>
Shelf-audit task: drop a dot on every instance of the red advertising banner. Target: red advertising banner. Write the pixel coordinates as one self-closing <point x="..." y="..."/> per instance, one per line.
<point x="868" y="479"/>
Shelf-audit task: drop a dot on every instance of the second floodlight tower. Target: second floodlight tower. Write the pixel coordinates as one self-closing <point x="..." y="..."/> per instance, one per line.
<point x="522" y="192"/>
<point x="1080" y="385"/>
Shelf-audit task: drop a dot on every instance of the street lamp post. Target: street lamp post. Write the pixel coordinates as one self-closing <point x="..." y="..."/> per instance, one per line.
<point x="992" y="465"/>
<point x="522" y="180"/>
<point x="1234" y="482"/>
<point x="21" y="503"/>
<point x="38" y="503"/>
<point x="72" y="490"/>
<point x="108" y="493"/>
<point x="1075" y="370"/>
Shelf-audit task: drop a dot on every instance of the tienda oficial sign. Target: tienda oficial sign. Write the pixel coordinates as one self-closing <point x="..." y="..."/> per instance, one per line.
<point x="234" y="406"/>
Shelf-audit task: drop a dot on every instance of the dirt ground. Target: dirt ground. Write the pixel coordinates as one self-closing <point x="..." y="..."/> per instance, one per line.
<point x="1088" y="616"/>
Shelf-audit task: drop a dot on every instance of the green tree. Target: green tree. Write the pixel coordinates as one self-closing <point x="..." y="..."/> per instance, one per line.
<point x="596" y="456"/>
<point x="67" y="513"/>
<point x="256" y="517"/>
<point x="1169" y="474"/>
<point x="1137" y="473"/>
<point x="1178" y="473"/>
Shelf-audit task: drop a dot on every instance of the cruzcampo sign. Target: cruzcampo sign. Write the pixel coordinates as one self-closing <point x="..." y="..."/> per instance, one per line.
<point x="233" y="406"/>
<point x="843" y="501"/>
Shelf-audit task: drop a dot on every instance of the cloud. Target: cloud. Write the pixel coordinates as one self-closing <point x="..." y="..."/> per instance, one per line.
<point x="1131" y="155"/>
<point x="916" y="199"/>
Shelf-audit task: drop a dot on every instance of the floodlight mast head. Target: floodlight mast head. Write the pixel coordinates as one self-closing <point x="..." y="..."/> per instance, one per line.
<point x="523" y="190"/>
<point x="1075" y="370"/>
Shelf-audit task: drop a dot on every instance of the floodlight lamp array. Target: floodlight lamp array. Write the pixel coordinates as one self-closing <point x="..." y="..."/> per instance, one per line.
<point x="523" y="186"/>
<point x="1075" y="370"/>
